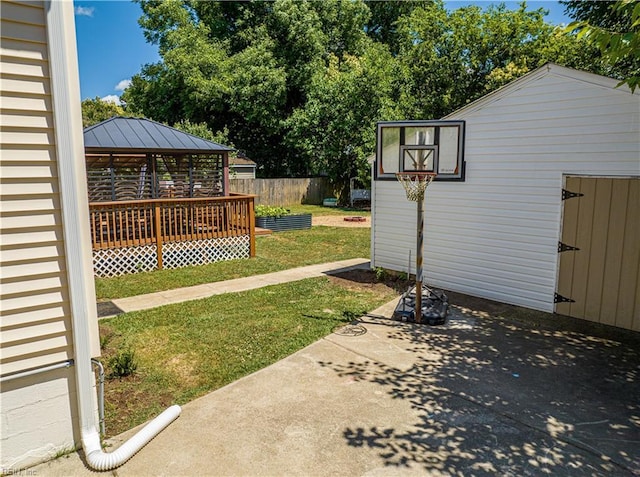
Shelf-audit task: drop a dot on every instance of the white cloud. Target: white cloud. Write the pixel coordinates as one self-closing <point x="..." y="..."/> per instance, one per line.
<point x="122" y="85"/>
<point x="84" y="11"/>
<point x="112" y="98"/>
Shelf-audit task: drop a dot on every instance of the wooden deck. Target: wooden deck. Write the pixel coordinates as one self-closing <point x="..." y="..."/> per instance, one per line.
<point x="158" y="222"/>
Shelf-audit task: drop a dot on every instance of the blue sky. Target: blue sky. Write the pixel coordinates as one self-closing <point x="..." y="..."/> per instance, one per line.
<point x="112" y="48"/>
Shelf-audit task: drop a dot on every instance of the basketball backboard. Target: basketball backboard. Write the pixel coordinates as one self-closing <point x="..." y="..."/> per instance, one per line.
<point x="426" y="146"/>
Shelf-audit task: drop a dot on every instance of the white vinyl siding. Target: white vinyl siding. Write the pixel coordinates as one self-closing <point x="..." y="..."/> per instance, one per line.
<point x="496" y="234"/>
<point x="38" y="69"/>
<point x="241" y="172"/>
<point x="35" y="329"/>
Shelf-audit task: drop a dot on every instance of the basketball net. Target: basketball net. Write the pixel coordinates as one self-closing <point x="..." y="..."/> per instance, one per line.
<point x="415" y="183"/>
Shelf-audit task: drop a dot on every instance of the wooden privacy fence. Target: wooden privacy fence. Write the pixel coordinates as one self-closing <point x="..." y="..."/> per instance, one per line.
<point x="131" y="236"/>
<point x="284" y="191"/>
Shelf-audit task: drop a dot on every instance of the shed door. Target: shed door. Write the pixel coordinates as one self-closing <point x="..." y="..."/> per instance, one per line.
<point x="599" y="276"/>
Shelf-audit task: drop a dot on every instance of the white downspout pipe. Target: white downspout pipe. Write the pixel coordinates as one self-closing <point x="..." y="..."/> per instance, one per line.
<point x="101" y="460"/>
<point x="90" y="435"/>
<point x="65" y="89"/>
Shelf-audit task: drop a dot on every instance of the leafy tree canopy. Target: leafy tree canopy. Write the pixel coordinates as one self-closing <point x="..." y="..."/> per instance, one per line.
<point x="598" y="13"/>
<point x="335" y="129"/>
<point x="614" y="28"/>
<point x="450" y="59"/>
<point x="96" y="110"/>
<point x="300" y="84"/>
<point x="202" y="130"/>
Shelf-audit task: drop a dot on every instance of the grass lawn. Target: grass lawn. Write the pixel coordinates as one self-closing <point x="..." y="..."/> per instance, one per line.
<point x="319" y="210"/>
<point x="275" y="252"/>
<point x="188" y="349"/>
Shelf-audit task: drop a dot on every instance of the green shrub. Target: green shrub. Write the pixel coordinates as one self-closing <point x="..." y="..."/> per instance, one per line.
<point x="123" y="364"/>
<point x="270" y="211"/>
<point x="381" y="274"/>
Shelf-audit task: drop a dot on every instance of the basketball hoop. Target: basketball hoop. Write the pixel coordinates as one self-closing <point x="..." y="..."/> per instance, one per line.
<point x="415" y="183"/>
<point x="420" y="150"/>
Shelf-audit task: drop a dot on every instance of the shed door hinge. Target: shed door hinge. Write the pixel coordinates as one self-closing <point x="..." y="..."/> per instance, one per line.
<point x="567" y="194"/>
<point x="563" y="247"/>
<point x="561" y="299"/>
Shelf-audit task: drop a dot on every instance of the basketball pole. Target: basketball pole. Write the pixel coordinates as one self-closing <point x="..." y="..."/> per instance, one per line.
<point x="419" y="244"/>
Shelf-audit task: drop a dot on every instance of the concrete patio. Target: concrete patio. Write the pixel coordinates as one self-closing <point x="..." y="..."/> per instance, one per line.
<point x="482" y="395"/>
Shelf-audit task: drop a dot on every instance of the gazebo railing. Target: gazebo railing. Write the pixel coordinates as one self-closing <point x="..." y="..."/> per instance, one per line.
<point x="194" y="230"/>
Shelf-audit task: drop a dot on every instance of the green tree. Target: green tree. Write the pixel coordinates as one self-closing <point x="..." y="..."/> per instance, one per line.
<point x="335" y="129"/>
<point x="96" y="110"/>
<point x="598" y="13"/>
<point x="299" y="87"/>
<point x="245" y="66"/>
<point x="614" y="28"/>
<point x="343" y="23"/>
<point x="193" y="77"/>
<point x="156" y="93"/>
<point x="449" y="59"/>
<point x="383" y="22"/>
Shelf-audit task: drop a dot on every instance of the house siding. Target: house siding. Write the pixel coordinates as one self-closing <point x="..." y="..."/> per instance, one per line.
<point x="35" y="323"/>
<point x="240" y="172"/>
<point x="496" y="234"/>
<point x="38" y="411"/>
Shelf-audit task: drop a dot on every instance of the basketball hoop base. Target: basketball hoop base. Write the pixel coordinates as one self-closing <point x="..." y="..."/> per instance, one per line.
<point x="435" y="307"/>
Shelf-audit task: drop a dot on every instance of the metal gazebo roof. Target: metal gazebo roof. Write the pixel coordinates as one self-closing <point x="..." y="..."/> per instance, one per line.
<point x="140" y="135"/>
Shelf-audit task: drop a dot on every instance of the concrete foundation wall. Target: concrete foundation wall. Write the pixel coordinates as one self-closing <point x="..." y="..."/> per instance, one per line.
<point x="39" y="414"/>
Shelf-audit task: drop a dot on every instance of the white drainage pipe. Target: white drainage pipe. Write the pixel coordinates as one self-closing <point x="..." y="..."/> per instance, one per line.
<point x="69" y="146"/>
<point x="89" y="433"/>
<point x="85" y="379"/>
<point x="96" y="458"/>
<point x="100" y="460"/>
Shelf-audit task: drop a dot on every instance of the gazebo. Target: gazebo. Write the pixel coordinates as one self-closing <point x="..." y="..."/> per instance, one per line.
<point x="159" y="198"/>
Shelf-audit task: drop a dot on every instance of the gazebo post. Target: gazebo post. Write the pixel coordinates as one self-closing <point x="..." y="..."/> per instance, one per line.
<point x="190" y="165"/>
<point x="151" y="160"/>
<point x="225" y="173"/>
<point x="112" y="172"/>
<point x="252" y="228"/>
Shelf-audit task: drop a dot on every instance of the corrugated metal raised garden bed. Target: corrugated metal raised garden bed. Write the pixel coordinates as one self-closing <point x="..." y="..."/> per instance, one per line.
<point x="278" y="219"/>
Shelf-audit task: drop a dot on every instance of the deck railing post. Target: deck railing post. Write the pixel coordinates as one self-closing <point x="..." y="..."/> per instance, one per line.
<point x="159" y="233"/>
<point x="252" y="227"/>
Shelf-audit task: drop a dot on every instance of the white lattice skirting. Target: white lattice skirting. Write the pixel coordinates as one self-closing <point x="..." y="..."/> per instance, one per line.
<point x="121" y="261"/>
<point x="183" y="254"/>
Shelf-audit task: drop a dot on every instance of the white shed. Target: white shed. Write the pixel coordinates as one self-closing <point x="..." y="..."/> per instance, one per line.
<point x="241" y="167"/>
<point x="498" y="233"/>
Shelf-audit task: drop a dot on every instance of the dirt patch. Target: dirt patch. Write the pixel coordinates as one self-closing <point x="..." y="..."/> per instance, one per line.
<point x="338" y="221"/>
<point x="107" y="308"/>
<point x="122" y="398"/>
<point x="362" y="279"/>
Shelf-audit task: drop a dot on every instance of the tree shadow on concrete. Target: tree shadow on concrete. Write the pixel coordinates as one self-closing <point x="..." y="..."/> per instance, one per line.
<point x="493" y="396"/>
